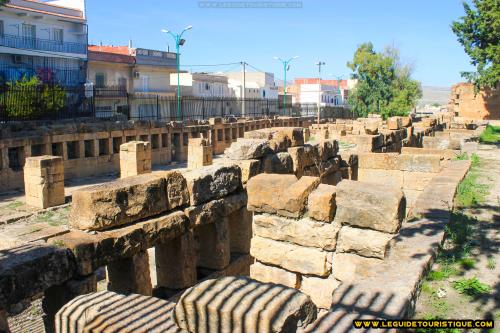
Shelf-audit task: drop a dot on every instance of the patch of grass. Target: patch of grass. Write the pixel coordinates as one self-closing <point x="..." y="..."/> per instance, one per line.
<point x="467" y="263"/>
<point x="427" y="288"/>
<point x="440" y="306"/>
<point x="475" y="161"/>
<point x="491" y="264"/>
<point x="59" y="243"/>
<point x="14" y="205"/>
<point x="471" y="287"/>
<point x="470" y="193"/>
<point x="462" y="156"/>
<point x="491" y="135"/>
<point x="445" y="271"/>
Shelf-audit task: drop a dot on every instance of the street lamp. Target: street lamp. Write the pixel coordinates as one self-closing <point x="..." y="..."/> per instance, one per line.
<point x="286" y="67"/>
<point x="319" y="64"/>
<point x="178" y="42"/>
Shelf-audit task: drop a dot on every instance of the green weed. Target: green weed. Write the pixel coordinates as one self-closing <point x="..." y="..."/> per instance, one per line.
<point x="491" y="263"/>
<point x="491" y="135"/>
<point x="14" y="205"/>
<point x="470" y="193"/>
<point x="462" y="156"/>
<point x="471" y="287"/>
<point x="467" y="263"/>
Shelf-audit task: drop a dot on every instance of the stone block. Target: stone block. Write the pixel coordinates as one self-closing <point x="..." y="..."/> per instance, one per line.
<point x="248" y="149"/>
<point x="379" y="176"/>
<point x="321" y="203"/>
<point x="394" y="123"/>
<point x="212" y="182"/>
<point x="283" y="194"/>
<point x="280" y="138"/>
<point x="417" y="180"/>
<point x="280" y="163"/>
<point x="420" y="163"/>
<point x="406" y="121"/>
<point x="176" y="262"/>
<point x="320" y="290"/>
<point x="119" y="202"/>
<point x="371" y="127"/>
<point x="304" y="232"/>
<point x="291" y="257"/>
<point x="384" y="161"/>
<point x="44" y="181"/>
<point x="135" y="158"/>
<point x="249" y="169"/>
<point x="130" y="275"/>
<point x="348" y="267"/>
<point x="215" y="210"/>
<point x="214" y="248"/>
<point x="303" y="157"/>
<point x="369" y="205"/>
<point x="270" y="274"/>
<point x="200" y="153"/>
<point x="237" y="304"/>
<point x="364" y="242"/>
<point x="240" y="231"/>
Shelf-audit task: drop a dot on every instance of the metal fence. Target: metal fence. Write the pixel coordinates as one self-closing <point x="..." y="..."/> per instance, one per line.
<point x="54" y="102"/>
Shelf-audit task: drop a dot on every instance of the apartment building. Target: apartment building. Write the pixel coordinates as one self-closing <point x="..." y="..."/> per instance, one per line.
<point x="258" y="85"/>
<point x="203" y="85"/>
<point x="46" y="39"/>
<point x="132" y="80"/>
<point x="307" y="90"/>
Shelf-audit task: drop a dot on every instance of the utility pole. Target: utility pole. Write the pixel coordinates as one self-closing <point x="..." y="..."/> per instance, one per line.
<point x="243" y="94"/>
<point x="319" y="64"/>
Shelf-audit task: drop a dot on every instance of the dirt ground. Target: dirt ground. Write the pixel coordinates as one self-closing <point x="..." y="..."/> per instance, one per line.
<point x="480" y="257"/>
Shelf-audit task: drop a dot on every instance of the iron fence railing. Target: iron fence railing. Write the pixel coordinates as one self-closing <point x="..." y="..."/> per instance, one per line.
<point x="20" y="42"/>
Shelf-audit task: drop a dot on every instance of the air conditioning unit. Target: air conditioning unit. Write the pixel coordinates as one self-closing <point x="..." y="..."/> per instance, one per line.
<point x="137" y="75"/>
<point x="17" y="59"/>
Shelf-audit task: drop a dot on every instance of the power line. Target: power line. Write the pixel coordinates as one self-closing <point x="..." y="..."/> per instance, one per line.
<point x="212" y="65"/>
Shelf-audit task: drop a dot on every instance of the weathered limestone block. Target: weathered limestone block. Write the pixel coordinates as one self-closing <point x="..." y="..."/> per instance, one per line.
<point x="212" y="182"/>
<point x="369" y="205"/>
<point x="270" y="274"/>
<point x="321" y="203"/>
<point x="237" y="304"/>
<point x="304" y="156"/>
<point x="349" y="266"/>
<point x="406" y="121"/>
<point x="108" y="312"/>
<point x="291" y="257"/>
<point x="44" y="181"/>
<point x="417" y="180"/>
<point x="135" y="158"/>
<point x="215" y="210"/>
<point x="30" y="269"/>
<point x="249" y="169"/>
<point x="119" y="202"/>
<point x="420" y="163"/>
<point x="394" y="123"/>
<point x="176" y="262"/>
<point x="280" y="163"/>
<point x="380" y="176"/>
<point x="280" y="138"/>
<point x="214" y="249"/>
<point x="92" y="251"/>
<point x="446" y="154"/>
<point x="304" y="232"/>
<point x="320" y="290"/>
<point x="371" y="127"/>
<point x="364" y="242"/>
<point x="199" y="153"/>
<point x="177" y="192"/>
<point x="283" y="194"/>
<point x="384" y="161"/>
<point x="240" y="231"/>
<point x="327" y="149"/>
<point x="248" y="149"/>
<point x="130" y="275"/>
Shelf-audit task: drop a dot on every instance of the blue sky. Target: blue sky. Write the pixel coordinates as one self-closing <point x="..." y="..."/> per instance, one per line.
<point x="327" y="30"/>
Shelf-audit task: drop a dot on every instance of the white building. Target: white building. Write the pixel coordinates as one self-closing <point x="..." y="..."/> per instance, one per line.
<point x="47" y="39"/>
<point x="203" y="85"/>
<point x="327" y="95"/>
<point x="258" y="85"/>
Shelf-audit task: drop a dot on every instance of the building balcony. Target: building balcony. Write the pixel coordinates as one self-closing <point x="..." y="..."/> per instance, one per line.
<point x="24" y="43"/>
<point x="110" y="92"/>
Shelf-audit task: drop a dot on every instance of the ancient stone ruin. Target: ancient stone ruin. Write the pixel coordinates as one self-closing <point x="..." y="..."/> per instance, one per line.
<point x="296" y="228"/>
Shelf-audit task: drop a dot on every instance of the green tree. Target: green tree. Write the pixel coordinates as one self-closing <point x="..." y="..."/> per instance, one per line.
<point x="4" y="2"/>
<point x="384" y="83"/>
<point x="479" y="33"/>
<point x="29" y="98"/>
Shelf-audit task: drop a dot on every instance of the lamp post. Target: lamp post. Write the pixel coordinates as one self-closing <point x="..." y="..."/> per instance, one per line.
<point x="178" y="43"/>
<point x="319" y="64"/>
<point x="286" y="67"/>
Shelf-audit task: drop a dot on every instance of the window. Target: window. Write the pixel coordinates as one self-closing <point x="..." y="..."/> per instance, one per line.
<point x="58" y="35"/>
<point x="29" y="31"/>
<point x="122" y="83"/>
<point x="100" y="80"/>
<point x="145" y="83"/>
<point x="1" y="29"/>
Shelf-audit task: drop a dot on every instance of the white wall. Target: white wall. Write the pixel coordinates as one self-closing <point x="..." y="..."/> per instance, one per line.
<point x="329" y="95"/>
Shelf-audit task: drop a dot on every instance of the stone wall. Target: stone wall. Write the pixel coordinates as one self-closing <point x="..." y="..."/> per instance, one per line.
<point x="90" y="148"/>
<point x="311" y="236"/>
<point x="466" y="103"/>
